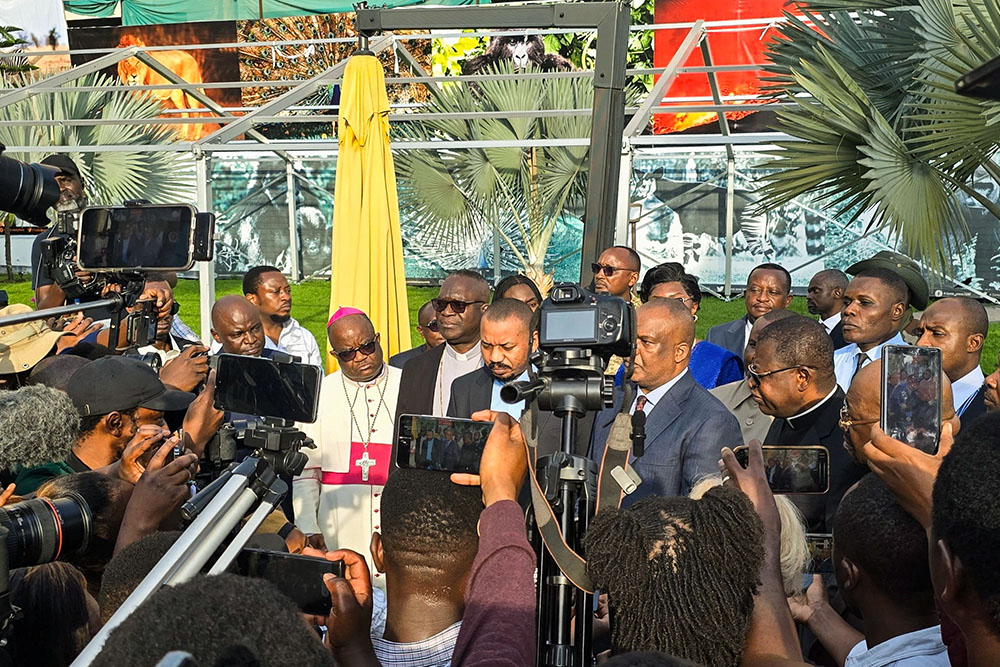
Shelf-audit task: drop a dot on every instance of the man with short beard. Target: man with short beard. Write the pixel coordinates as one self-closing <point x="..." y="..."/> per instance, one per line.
<point x="268" y="289"/>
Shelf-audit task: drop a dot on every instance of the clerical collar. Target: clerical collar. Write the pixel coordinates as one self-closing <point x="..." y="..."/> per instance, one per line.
<point x="474" y="352"/>
<point x="370" y="383"/>
<point x="798" y="420"/>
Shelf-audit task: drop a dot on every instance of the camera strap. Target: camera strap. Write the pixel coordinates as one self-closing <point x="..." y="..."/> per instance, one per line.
<point x="609" y="493"/>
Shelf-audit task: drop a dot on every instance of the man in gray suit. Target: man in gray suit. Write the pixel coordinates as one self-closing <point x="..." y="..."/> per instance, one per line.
<point x="686" y="427"/>
<point x="736" y="395"/>
<point x="769" y="287"/>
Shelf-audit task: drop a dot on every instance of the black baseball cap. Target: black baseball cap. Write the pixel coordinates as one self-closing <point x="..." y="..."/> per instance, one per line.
<point x="63" y="163"/>
<point x="114" y="384"/>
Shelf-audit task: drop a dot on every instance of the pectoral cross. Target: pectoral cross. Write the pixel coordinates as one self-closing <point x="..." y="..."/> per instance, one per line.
<point x="365" y="462"/>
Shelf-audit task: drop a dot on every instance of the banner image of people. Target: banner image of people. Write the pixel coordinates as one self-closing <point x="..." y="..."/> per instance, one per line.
<point x="192" y="65"/>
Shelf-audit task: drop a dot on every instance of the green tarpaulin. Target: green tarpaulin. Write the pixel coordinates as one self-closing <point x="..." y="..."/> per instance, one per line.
<point x="146" y="12"/>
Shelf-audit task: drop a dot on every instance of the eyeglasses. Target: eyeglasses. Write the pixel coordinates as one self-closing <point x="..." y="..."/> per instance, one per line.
<point x="432" y="326"/>
<point x="366" y="350"/>
<point x="440" y="305"/>
<point x="608" y="270"/>
<point x="846" y="423"/>
<point x="757" y="376"/>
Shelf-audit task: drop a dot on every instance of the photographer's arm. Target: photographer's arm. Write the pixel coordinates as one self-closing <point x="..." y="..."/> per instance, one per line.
<point x="202" y="420"/>
<point x="498" y="626"/>
<point x="49" y="296"/>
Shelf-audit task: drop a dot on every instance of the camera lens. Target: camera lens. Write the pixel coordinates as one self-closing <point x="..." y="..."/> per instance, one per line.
<point x="45" y="529"/>
<point x="27" y="190"/>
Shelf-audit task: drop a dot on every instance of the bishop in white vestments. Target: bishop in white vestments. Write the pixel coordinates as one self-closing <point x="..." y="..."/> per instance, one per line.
<point x="338" y="493"/>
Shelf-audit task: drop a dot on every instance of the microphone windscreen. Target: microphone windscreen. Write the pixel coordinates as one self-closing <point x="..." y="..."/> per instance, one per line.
<point x="638" y="420"/>
<point x="38" y="425"/>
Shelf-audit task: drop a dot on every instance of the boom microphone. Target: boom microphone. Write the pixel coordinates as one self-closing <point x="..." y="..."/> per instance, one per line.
<point x="38" y="425"/>
<point x="639" y="433"/>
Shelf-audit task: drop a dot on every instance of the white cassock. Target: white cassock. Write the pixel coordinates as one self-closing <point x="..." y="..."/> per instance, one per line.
<point x="340" y="489"/>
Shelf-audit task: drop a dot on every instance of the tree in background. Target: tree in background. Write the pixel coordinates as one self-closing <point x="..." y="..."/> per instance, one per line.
<point x="881" y="130"/>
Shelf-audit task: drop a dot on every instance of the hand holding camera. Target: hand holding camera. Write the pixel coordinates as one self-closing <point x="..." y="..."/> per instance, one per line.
<point x="187" y="370"/>
<point x="348" y="633"/>
<point x="504" y="463"/>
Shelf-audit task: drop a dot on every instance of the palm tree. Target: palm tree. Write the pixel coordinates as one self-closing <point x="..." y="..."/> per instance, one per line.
<point x="881" y="128"/>
<point x="457" y="196"/>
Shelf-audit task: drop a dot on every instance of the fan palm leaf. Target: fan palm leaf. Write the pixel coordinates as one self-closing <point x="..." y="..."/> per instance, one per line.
<point x="111" y="176"/>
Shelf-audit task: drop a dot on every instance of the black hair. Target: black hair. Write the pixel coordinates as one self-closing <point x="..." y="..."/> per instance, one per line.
<point x="965" y="510"/>
<point x="504" y="309"/>
<point x="771" y="266"/>
<point x="53" y="626"/>
<point x="215" y="619"/>
<point x="474" y="276"/>
<point x="92" y="351"/>
<point x="107" y="497"/>
<point x="427" y="304"/>
<point x="253" y="278"/>
<point x="500" y="291"/>
<point x="974" y="316"/>
<point x="892" y="280"/>
<point x="680" y="574"/>
<point x="667" y="272"/>
<point x="880" y="537"/>
<point x="800" y="341"/>
<point x="429" y="524"/>
<point x="129" y="567"/>
<point x="89" y="422"/>
<point x="632" y="254"/>
<point x="646" y="659"/>
<point x="56" y="371"/>
<point x="836" y="277"/>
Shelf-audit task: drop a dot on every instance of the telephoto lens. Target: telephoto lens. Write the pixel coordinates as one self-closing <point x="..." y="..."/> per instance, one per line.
<point x="27" y="190"/>
<point x="42" y="530"/>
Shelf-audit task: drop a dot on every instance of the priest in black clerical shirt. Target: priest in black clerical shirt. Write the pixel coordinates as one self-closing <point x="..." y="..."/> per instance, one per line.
<point x="792" y="379"/>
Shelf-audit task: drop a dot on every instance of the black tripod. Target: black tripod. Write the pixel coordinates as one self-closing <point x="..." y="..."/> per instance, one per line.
<point x="570" y="383"/>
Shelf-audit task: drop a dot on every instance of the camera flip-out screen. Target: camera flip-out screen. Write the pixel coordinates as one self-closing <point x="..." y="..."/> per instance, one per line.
<point x="569" y="325"/>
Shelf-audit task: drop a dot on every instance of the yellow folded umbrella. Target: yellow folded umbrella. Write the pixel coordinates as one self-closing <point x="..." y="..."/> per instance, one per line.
<point x="367" y="258"/>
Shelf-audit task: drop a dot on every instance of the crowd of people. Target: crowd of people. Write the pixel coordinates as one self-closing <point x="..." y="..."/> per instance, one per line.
<point x="701" y="564"/>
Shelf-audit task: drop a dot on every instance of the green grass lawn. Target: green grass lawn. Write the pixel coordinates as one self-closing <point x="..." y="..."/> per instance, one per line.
<point x="311" y="301"/>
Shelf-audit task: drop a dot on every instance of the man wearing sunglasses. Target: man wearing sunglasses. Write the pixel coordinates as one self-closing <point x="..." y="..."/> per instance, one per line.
<point x="427" y="378"/>
<point x="616" y="272"/>
<point x="792" y="379"/>
<point x="337" y="496"/>
<point x="427" y="327"/>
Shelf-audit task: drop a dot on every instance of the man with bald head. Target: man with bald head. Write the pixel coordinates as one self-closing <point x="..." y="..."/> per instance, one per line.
<point x="427" y="327"/>
<point x="427" y="378"/>
<point x="959" y="326"/>
<point x="237" y="329"/>
<point x="336" y="498"/>
<point x="685" y="425"/>
<point x="825" y="297"/>
<point x="736" y="395"/>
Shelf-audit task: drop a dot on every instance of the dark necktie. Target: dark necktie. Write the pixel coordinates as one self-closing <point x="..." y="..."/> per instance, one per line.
<point x="862" y="358"/>
<point x="640" y="403"/>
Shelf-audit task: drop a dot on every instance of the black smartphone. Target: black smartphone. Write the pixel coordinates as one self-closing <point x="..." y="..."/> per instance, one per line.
<point x="114" y="238"/>
<point x="820" y="546"/>
<point x="440" y="443"/>
<point x="911" y="395"/>
<point x="793" y="469"/>
<point x="299" y="577"/>
<point x="267" y="388"/>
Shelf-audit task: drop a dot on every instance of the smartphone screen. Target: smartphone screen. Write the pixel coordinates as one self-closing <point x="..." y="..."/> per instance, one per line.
<point x="804" y="469"/>
<point x="143" y="237"/>
<point x="298" y="577"/>
<point x="911" y="395"/>
<point x="440" y="443"/>
<point x="820" y="546"/>
<point x="266" y="388"/>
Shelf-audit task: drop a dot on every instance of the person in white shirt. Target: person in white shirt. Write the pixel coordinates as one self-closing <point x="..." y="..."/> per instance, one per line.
<point x="958" y="326"/>
<point x="875" y="304"/>
<point x="881" y="563"/>
<point x="825" y="297"/>
<point x="268" y="289"/>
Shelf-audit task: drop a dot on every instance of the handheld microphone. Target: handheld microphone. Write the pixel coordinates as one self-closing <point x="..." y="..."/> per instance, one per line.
<point x="639" y="433"/>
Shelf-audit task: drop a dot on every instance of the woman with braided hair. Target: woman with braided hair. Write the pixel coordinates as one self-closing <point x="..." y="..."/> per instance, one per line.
<point x="680" y="574"/>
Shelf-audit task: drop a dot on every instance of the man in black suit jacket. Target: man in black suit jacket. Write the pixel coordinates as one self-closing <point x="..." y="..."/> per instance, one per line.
<point x="769" y="287"/>
<point x="686" y="427"/>
<point x="959" y="326"/>
<point x="425" y="388"/>
<point x="508" y="338"/>
<point x="792" y="379"/>
<point x="428" y="329"/>
<point x="825" y="297"/>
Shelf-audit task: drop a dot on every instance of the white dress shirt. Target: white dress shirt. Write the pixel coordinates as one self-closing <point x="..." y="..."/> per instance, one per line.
<point x="655" y="396"/>
<point x="454" y="364"/>
<point x="923" y="648"/>
<point x="746" y="333"/>
<point x="965" y="387"/>
<point x="299" y="341"/>
<point x="845" y="360"/>
<point x="831" y="322"/>
<point x="497" y="404"/>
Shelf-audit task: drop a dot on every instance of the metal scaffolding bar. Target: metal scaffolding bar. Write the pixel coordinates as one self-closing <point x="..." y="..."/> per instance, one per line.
<point x="56" y="80"/>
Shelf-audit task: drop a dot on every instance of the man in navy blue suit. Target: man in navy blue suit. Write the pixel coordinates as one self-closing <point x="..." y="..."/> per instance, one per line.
<point x="769" y="287"/>
<point x="686" y="427"/>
